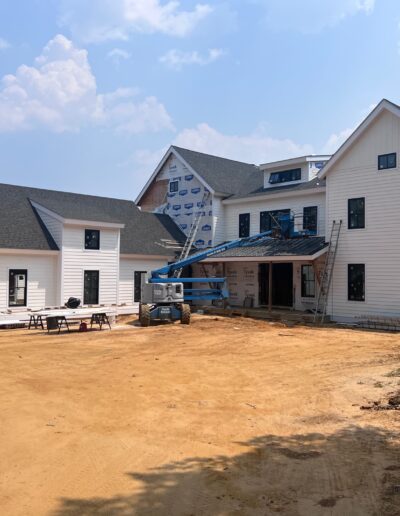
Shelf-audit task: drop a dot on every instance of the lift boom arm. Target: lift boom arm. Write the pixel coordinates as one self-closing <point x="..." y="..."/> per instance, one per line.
<point x="156" y="275"/>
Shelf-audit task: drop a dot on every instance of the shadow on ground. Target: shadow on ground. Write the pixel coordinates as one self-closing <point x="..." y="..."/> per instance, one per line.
<point x="355" y="471"/>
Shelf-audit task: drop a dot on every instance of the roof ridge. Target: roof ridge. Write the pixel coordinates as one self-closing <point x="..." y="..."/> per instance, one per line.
<point x="68" y="193"/>
<point x="214" y="156"/>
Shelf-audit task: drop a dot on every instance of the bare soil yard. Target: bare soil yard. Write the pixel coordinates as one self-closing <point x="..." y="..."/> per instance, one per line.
<point x="225" y="417"/>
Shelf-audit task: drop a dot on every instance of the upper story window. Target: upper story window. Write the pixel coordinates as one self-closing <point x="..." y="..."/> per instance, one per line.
<point x="270" y="219"/>
<point x="356" y="213"/>
<point x="387" y="161"/>
<point x="244" y="225"/>
<point x="356" y="282"/>
<point x="174" y="186"/>
<point x="92" y="239"/>
<point x="310" y="218"/>
<point x="285" y="176"/>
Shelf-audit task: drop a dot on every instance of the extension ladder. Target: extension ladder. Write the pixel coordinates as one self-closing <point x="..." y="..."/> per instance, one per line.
<point x="192" y="233"/>
<point x="326" y="278"/>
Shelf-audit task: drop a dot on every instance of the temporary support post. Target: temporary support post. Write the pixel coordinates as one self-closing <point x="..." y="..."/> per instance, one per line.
<point x="270" y="287"/>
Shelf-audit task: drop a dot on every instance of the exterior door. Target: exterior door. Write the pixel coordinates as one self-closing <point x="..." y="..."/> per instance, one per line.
<point x="17" y="287"/>
<point x="137" y="285"/>
<point x="91" y="288"/>
<point x="282" y="284"/>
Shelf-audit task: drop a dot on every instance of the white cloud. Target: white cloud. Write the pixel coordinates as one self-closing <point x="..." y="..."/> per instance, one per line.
<point x="256" y="147"/>
<point x="176" y="59"/>
<point x="311" y="16"/>
<point x="335" y="140"/>
<point x="60" y="93"/>
<point x="101" y="20"/>
<point x="117" y="55"/>
<point x="4" y="44"/>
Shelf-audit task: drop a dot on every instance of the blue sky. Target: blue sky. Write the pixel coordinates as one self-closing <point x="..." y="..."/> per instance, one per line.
<point x="93" y="92"/>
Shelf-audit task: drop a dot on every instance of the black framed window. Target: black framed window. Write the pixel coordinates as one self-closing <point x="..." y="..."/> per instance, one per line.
<point x="387" y="161"/>
<point x="285" y="176"/>
<point x="310" y="218"/>
<point x="356" y="282"/>
<point x="270" y="219"/>
<point x="137" y="286"/>
<point x="91" y="288"/>
<point x="173" y="186"/>
<point x="307" y="281"/>
<point x="244" y="225"/>
<point x="356" y="213"/>
<point x="17" y="287"/>
<point x="92" y="239"/>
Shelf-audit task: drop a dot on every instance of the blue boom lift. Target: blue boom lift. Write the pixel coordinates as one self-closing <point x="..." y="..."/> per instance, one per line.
<point x="164" y="297"/>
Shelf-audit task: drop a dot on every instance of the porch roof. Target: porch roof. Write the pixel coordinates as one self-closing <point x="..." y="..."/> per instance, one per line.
<point x="309" y="247"/>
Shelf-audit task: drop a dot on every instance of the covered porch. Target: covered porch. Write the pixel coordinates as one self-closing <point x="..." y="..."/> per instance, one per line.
<point x="277" y="275"/>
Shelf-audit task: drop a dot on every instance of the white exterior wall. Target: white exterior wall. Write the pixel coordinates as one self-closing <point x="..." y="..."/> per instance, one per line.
<point x="42" y="279"/>
<point x="254" y="207"/>
<point x="218" y="220"/>
<point x="377" y="246"/>
<point x="127" y="269"/>
<point x="76" y="259"/>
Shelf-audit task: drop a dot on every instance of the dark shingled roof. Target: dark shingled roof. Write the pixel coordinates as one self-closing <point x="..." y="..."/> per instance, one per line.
<point x="21" y="227"/>
<point x="308" y="185"/>
<point x="225" y="176"/>
<point x="302" y="246"/>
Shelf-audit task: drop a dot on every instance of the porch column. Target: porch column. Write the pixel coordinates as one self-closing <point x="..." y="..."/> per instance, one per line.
<point x="270" y="287"/>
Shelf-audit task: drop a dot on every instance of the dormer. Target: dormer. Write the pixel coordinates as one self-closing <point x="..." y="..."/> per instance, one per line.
<point x="293" y="171"/>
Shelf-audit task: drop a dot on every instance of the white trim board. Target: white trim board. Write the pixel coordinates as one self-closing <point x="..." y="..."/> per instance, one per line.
<point x="263" y="259"/>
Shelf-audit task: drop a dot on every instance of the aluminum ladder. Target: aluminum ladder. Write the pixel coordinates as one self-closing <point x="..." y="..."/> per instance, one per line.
<point x="326" y="278"/>
<point x="192" y="233"/>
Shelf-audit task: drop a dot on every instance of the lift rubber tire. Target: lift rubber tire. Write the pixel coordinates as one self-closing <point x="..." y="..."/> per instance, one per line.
<point x="185" y="314"/>
<point x="145" y="315"/>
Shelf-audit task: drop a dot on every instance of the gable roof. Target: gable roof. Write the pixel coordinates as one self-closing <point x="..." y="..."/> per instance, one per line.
<point x="22" y="228"/>
<point x="224" y="176"/>
<point x="383" y="105"/>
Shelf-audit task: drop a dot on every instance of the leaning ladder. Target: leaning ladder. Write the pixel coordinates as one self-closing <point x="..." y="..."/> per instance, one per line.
<point x="192" y="233"/>
<point x="326" y="278"/>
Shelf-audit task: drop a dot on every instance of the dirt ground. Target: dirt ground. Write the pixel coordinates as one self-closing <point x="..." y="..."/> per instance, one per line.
<point x="225" y="417"/>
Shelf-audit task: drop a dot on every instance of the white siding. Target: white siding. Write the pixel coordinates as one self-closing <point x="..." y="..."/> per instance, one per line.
<point x="218" y="220"/>
<point x="42" y="279"/>
<point x="127" y="269"/>
<point x="378" y="245"/>
<point x="254" y="207"/>
<point x="54" y="226"/>
<point x="76" y="260"/>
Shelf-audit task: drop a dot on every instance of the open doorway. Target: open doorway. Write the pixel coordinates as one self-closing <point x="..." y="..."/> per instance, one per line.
<point x="282" y="284"/>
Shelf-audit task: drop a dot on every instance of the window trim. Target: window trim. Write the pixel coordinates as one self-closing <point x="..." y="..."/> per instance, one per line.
<point x="348" y="282"/>
<point x="313" y="282"/>
<point x="98" y="240"/>
<point x="284" y="211"/>
<point x="380" y="156"/>
<point x="316" y="218"/>
<point x="18" y="271"/>
<point x="247" y="214"/>
<point x="175" y="182"/>
<point x="349" y="216"/>
<point x="282" y="173"/>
